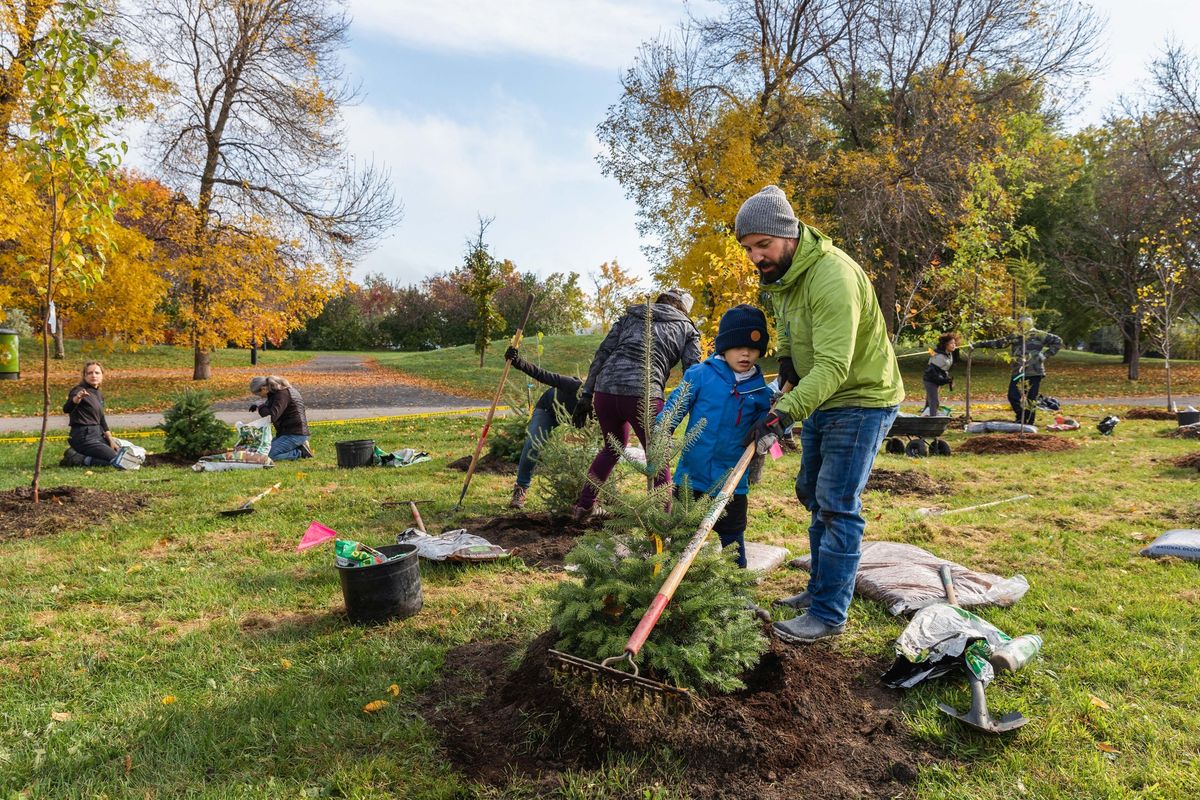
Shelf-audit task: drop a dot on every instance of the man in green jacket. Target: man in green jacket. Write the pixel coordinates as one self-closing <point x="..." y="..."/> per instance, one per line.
<point x="834" y="350"/>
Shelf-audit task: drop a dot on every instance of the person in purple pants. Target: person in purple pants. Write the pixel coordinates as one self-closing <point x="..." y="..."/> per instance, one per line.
<point x="614" y="385"/>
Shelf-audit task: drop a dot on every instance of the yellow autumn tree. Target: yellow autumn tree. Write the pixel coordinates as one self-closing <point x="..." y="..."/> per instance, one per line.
<point x="615" y="289"/>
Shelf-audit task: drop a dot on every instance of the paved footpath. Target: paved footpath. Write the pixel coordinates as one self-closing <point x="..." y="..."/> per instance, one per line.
<point x="384" y="397"/>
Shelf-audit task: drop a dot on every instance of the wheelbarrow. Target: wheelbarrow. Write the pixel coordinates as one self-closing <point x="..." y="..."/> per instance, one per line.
<point x="923" y="435"/>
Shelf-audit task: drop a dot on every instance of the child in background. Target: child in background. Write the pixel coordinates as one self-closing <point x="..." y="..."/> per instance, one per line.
<point x="728" y="392"/>
<point x="937" y="374"/>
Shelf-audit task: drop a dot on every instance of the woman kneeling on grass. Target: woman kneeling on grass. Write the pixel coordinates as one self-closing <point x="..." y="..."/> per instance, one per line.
<point x="285" y="407"/>
<point x="91" y="443"/>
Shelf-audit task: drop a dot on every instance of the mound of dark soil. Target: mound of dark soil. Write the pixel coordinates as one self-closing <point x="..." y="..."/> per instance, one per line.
<point x="541" y="540"/>
<point x="167" y="460"/>
<point x="62" y="508"/>
<point x="489" y="463"/>
<point x="905" y="482"/>
<point x="810" y="723"/>
<point x="1189" y="461"/>
<point x="1003" y="443"/>
<point x="1150" y="413"/>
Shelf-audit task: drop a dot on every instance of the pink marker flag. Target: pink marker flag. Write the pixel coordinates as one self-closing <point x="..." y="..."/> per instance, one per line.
<point x="776" y="451"/>
<point x="315" y="534"/>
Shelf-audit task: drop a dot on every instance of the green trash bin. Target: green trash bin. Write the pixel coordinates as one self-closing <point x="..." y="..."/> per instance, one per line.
<point x="10" y="355"/>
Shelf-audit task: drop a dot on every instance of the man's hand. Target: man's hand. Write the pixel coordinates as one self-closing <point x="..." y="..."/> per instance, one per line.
<point x="511" y="354"/>
<point x="583" y="410"/>
<point x="767" y="431"/>
<point x="787" y="372"/>
<point x="253" y="407"/>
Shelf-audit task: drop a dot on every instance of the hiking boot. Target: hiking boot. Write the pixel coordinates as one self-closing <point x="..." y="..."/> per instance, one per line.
<point x="797" y="602"/>
<point x="518" y="496"/>
<point x="581" y="514"/>
<point x="73" y="458"/>
<point x="806" y="628"/>
<point x="305" y="450"/>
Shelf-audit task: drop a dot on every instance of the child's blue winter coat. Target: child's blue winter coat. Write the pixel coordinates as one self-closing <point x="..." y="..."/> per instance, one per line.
<point x="729" y="408"/>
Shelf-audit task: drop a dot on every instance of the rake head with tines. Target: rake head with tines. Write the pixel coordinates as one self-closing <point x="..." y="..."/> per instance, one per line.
<point x="604" y="673"/>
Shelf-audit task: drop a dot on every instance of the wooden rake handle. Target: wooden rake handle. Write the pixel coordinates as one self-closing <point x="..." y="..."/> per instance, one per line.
<point x="487" y="424"/>
<point x="261" y="495"/>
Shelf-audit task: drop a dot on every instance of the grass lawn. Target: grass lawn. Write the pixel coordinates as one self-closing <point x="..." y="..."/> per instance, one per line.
<point x="144" y="380"/>
<point x="1071" y="374"/>
<point x="179" y="653"/>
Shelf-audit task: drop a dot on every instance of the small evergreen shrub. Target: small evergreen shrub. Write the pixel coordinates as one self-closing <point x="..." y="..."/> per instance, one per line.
<point x="563" y="460"/>
<point x="191" y="428"/>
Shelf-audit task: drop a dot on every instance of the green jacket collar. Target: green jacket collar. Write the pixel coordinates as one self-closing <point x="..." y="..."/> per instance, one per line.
<point x="811" y="246"/>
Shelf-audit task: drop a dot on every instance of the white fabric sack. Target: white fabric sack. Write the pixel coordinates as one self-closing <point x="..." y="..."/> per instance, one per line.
<point x="999" y="426"/>
<point x="129" y="455"/>
<point x="1181" y="543"/>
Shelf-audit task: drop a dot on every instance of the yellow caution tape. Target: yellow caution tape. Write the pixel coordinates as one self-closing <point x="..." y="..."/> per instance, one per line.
<point x="314" y="424"/>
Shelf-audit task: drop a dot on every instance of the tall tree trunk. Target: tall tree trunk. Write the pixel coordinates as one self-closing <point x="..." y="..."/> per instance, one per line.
<point x="202" y="363"/>
<point x="1135" y="350"/>
<point x="37" y="460"/>
<point x="60" y="345"/>
<point x="885" y="289"/>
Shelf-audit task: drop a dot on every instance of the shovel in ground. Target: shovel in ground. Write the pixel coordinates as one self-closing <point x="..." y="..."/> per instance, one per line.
<point x="248" y="506"/>
<point x="977" y="716"/>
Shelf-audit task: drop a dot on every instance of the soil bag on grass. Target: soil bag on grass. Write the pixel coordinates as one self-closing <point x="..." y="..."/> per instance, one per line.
<point x="933" y="642"/>
<point x="905" y="579"/>
<point x="1181" y="543"/>
<point x="250" y="452"/>
<point x="999" y="426"/>
<point x="456" y="545"/>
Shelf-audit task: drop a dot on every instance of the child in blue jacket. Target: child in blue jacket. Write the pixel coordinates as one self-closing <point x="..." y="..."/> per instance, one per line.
<point x="728" y="393"/>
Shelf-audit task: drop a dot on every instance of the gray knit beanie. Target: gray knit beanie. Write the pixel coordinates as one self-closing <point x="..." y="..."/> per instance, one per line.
<point x="257" y="382"/>
<point x="769" y="213"/>
<point x="683" y="296"/>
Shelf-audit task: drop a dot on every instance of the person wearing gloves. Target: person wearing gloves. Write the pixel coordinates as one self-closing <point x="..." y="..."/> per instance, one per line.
<point x="726" y="394"/>
<point x="614" y="385"/>
<point x="563" y="389"/>
<point x="285" y="407"/>
<point x="835" y="350"/>
<point x="1029" y="348"/>
<point x="937" y="372"/>
<point x="90" y="443"/>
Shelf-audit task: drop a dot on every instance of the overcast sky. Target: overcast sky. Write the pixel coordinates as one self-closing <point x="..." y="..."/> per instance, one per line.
<point x="490" y="107"/>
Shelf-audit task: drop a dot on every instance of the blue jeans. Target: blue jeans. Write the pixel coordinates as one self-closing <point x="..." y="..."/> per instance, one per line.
<point x="838" y="447"/>
<point x="541" y="422"/>
<point x="286" y="447"/>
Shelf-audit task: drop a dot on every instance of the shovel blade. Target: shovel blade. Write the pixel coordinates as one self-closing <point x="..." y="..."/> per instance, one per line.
<point x="237" y="512"/>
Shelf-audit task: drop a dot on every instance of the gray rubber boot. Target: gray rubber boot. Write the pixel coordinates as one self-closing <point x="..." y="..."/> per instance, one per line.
<point x="806" y="628"/>
<point x="797" y="602"/>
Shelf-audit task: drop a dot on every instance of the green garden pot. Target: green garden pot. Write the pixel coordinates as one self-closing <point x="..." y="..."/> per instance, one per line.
<point x="10" y="355"/>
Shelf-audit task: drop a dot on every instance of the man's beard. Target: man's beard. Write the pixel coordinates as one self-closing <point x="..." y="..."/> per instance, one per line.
<point x="777" y="269"/>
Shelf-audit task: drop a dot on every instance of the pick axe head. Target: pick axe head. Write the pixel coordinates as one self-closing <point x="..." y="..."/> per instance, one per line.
<point x="979" y="718"/>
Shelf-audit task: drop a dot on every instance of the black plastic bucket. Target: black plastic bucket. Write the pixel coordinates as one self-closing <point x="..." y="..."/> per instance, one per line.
<point x="356" y="453"/>
<point x="1187" y="417"/>
<point x="384" y="591"/>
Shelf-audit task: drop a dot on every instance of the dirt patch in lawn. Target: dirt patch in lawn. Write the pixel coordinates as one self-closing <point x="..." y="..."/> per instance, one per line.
<point x="905" y="482"/>
<point x="62" y="508"/>
<point x="1003" y="443"/>
<point x="1150" y="413"/>
<point x="541" y="540"/>
<point x="808" y="718"/>
<point x="1189" y="461"/>
<point x="489" y="463"/>
<point x="167" y="460"/>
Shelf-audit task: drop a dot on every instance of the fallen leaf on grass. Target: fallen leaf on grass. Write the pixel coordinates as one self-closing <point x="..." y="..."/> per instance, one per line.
<point x="395" y="690"/>
<point x="375" y="705"/>
<point x="133" y="568"/>
<point x="1141" y="537"/>
<point x="286" y="664"/>
<point x="1105" y="747"/>
<point x="60" y="716"/>
<point x="128" y="763"/>
<point x="1098" y="703"/>
<point x="168" y="699"/>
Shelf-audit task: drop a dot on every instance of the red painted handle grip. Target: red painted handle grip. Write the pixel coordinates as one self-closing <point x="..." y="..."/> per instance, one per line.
<point x="649" y="620"/>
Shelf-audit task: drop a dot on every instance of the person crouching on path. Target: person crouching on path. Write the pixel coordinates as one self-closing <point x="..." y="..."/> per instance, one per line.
<point x="285" y="407"/>
<point x="937" y="372"/>
<point x="615" y="380"/>
<point x="834" y="349"/>
<point x="727" y="395"/>
<point x="563" y="389"/>
<point x="90" y="442"/>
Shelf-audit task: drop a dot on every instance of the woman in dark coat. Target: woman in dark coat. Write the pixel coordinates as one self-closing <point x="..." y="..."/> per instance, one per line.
<point x="285" y="407"/>
<point x="91" y="443"/>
